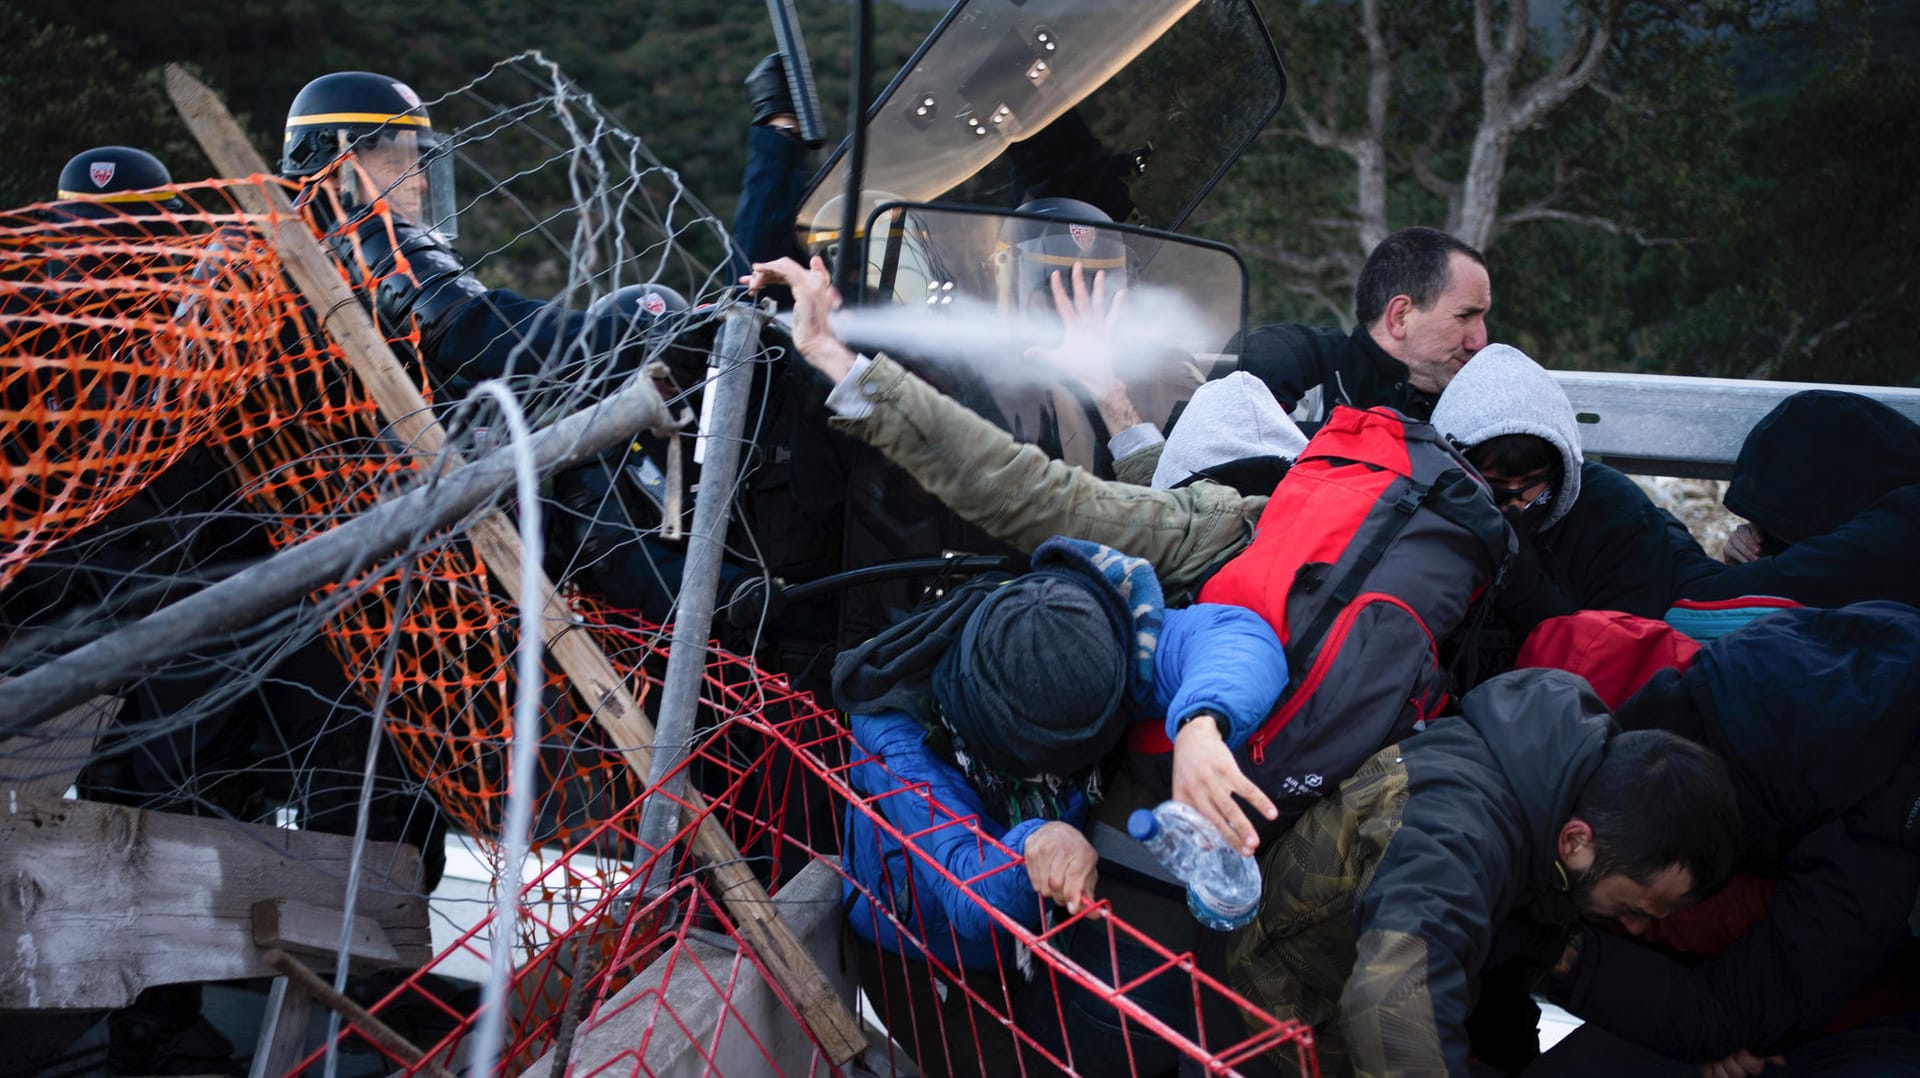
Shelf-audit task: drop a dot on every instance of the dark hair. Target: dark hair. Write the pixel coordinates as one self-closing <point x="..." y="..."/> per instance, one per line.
<point x="1656" y="801"/>
<point x="1412" y="262"/>
<point x="1515" y="454"/>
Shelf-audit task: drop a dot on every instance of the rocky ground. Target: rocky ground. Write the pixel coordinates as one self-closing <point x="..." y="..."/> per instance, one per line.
<point x="1697" y="503"/>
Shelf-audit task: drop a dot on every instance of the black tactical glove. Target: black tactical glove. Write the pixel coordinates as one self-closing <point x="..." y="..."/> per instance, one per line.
<point x="767" y="86"/>
<point x="433" y="283"/>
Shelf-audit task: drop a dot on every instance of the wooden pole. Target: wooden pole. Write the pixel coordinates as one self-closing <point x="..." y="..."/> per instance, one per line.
<point x="593" y="675"/>
<point x="364" y="1023"/>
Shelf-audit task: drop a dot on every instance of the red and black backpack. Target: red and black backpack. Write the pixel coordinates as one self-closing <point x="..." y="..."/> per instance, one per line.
<point x="1374" y="548"/>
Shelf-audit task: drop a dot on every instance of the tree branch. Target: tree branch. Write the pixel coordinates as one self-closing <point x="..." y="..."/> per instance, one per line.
<point x="1420" y="161"/>
<point x="1311" y="265"/>
<point x="1379" y="68"/>
<point x="1516" y="41"/>
<point x="1572" y="69"/>
<point x="1483" y="30"/>
<point x="1540" y="212"/>
<point x="1320" y="295"/>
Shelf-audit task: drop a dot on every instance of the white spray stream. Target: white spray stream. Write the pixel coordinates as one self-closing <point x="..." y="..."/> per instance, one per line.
<point x="1153" y="329"/>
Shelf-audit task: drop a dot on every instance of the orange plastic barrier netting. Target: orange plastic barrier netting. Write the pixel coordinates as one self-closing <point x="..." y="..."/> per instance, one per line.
<point x="132" y="333"/>
<point x="126" y="338"/>
<point x="634" y="984"/>
<point x="315" y="451"/>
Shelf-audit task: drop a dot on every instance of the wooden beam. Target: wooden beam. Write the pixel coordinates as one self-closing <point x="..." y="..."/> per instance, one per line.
<point x="303" y="928"/>
<point x="49" y="759"/>
<point x="363" y="1023"/>
<point x="283" y="1029"/>
<point x="593" y="675"/>
<point x="100" y="901"/>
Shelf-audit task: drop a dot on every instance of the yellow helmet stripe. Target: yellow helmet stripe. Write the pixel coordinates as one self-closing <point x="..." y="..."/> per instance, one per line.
<point x="122" y="196"/>
<point x="321" y="119"/>
<point x="1067" y="260"/>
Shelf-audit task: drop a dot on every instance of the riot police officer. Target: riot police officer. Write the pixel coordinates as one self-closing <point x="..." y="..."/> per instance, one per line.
<point x="356" y="138"/>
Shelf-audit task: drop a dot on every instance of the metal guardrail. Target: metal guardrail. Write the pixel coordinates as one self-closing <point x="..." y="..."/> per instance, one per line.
<point x="1663" y="424"/>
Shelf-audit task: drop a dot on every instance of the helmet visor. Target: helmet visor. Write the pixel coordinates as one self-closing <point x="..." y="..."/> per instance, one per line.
<point x="1064" y="246"/>
<point x="413" y="170"/>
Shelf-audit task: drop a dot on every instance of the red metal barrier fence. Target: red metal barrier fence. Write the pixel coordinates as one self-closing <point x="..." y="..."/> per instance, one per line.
<point x="645" y="984"/>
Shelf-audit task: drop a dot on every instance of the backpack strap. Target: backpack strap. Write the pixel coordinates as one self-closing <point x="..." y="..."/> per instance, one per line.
<point x="1411" y="497"/>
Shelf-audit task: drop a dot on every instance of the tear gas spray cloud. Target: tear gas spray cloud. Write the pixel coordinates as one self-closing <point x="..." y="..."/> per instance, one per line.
<point x="1152" y="329"/>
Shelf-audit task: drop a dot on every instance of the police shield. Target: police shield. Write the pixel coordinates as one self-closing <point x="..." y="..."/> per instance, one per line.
<point x="991" y="272"/>
<point x="1134" y="106"/>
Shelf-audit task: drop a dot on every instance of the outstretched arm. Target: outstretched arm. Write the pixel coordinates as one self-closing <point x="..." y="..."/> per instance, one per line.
<point x="1012" y="491"/>
<point x="1224" y="665"/>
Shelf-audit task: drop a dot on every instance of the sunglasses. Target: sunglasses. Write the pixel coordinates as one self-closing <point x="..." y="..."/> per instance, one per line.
<point x="1503" y="496"/>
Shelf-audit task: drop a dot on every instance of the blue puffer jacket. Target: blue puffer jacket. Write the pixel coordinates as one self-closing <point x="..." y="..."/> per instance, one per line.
<point x="1210" y="657"/>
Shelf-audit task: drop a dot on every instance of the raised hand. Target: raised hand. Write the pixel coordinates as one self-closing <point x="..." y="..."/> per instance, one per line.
<point x="814" y="298"/>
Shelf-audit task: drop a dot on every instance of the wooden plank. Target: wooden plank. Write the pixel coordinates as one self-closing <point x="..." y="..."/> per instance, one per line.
<point x="593" y="675"/>
<point x="302" y="928"/>
<point x="49" y="759"/>
<point x="100" y="901"/>
<point x="363" y="1023"/>
<point x="283" y="1029"/>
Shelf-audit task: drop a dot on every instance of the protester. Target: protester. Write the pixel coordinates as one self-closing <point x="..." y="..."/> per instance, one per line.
<point x="1589" y="537"/>
<point x="1817" y="713"/>
<point x="1829" y="483"/>
<point x="1386" y="900"/>
<point x="1421" y="311"/>
<point x="1000" y="705"/>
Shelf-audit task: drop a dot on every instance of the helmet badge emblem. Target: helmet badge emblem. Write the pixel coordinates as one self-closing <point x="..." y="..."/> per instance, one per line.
<point x="100" y="172"/>
<point x="406" y="94"/>
<point x="1082" y="236"/>
<point x="654" y="305"/>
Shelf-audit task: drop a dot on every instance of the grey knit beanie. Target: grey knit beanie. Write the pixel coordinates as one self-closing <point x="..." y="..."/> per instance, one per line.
<point x="1037" y="683"/>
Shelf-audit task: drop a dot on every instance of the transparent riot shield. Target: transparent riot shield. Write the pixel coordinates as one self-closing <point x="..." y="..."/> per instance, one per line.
<point x="1134" y="106"/>
<point x="988" y="332"/>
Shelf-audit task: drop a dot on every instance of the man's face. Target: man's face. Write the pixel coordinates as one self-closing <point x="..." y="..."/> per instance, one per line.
<point x="391" y="165"/>
<point x="1634" y="906"/>
<point x="1435" y="342"/>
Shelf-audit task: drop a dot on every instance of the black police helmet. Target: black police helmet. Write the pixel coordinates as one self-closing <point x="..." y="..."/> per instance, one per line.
<point x="383" y="122"/>
<point x="631" y="301"/>
<point x="1052" y="235"/>
<point x="115" y="180"/>
<point x="350" y="103"/>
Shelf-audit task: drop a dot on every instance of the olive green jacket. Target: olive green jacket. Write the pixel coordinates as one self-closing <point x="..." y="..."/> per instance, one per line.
<point x="1018" y="495"/>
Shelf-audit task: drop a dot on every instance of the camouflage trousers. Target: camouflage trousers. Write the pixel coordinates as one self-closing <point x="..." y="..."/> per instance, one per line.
<point x="1297" y="959"/>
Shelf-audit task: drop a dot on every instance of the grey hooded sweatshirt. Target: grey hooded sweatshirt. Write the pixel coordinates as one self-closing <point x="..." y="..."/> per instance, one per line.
<point x="1602" y="545"/>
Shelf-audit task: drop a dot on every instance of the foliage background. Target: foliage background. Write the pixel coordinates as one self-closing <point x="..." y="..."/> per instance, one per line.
<point x="1781" y="150"/>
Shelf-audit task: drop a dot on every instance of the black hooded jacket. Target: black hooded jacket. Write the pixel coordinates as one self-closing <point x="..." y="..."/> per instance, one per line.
<point x="1291" y="359"/>
<point x="1833" y="480"/>
<point x="1812" y="710"/>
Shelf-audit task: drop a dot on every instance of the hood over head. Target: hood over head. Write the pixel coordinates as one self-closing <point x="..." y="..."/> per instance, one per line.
<point x="1812" y="709"/>
<point x="1228" y="420"/>
<point x="1818" y="459"/>
<point x="1502" y="391"/>
<point x="1547" y="729"/>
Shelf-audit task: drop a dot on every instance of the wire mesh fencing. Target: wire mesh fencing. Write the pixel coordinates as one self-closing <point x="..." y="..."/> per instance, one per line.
<point x="658" y="983"/>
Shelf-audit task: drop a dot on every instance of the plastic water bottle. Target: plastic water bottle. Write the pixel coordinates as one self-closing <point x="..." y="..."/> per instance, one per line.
<point x="1223" y="884"/>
